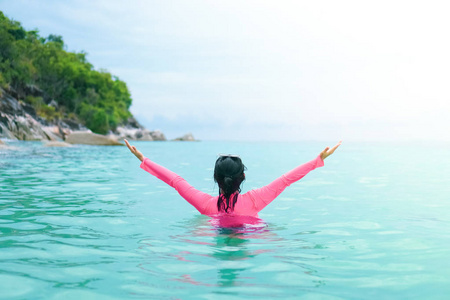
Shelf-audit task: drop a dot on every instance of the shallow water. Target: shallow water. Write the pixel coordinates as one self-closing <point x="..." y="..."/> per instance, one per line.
<point x="87" y="223"/>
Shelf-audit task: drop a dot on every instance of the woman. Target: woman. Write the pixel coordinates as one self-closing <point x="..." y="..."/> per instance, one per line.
<point x="229" y="174"/>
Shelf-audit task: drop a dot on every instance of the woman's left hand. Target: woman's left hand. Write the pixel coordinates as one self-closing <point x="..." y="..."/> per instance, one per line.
<point x="135" y="151"/>
<point x="327" y="152"/>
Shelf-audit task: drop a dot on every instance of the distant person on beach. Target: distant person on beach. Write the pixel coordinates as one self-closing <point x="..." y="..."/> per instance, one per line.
<point x="229" y="174"/>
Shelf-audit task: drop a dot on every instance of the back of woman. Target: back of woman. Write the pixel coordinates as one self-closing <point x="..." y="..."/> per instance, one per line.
<point x="229" y="173"/>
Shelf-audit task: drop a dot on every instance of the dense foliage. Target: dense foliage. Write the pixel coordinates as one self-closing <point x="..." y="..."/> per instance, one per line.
<point x="96" y="98"/>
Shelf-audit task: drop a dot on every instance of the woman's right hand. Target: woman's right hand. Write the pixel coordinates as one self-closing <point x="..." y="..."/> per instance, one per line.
<point x="135" y="151"/>
<point x="327" y="152"/>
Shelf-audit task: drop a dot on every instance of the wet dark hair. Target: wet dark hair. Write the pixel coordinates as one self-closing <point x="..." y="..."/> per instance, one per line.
<point x="229" y="174"/>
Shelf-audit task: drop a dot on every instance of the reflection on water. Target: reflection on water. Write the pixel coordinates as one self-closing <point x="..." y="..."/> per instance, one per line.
<point x="242" y="256"/>
<point x="86" y="223"/>
<point x="231" y="247"/>
<point x="233" y="233"/>
<point x="232" y="244"/>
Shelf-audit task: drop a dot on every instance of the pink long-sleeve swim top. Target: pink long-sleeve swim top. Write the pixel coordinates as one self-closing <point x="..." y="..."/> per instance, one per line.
<point x="248" y="204"/>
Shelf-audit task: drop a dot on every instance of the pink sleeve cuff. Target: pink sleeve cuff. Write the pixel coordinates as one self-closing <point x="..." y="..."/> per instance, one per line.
<point x="319" y="162"/>
<point x="142" y="163"/>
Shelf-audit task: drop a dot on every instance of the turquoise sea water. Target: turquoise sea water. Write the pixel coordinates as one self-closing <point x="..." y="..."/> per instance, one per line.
<point x="87" y="223"/>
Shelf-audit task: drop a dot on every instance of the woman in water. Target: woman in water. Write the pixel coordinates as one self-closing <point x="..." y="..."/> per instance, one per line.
<point x="229" y="174"/>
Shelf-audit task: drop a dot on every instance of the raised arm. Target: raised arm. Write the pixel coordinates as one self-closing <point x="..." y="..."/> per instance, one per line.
<point x="196" y="198"/>
<point x="263" y="196"/>
<point x="135" y="151"/>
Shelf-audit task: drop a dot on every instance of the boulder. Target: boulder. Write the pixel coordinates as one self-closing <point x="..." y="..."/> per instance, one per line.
<point x="89" y="138"/>
<point x="17" y="120"/>
<point x="144" y="135"/>
<point x="186" y="138"/>
<point x="138" y="134"/>
<point x="133" y="123"/>
<point x="57" y="144"/>
<point x="158" y="135"/>
<point x="27" y="108"/>
<point x="72" y="125"/>
<point x="130" y="133"/>
<point x="52" y="133"/>
<point x="2" y="143"/>
<point x="10" y="106"/>
<point x="5" y="132"/>
<point x="22" y="127"/>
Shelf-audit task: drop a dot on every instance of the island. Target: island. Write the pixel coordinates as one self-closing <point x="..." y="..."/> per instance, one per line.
<point x="49" y="93"/>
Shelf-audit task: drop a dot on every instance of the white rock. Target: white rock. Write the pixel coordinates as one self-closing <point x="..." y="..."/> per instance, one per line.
<point x="186" y="138"/>
<point x="57" y="144"/>
<point x="89" y="138"/>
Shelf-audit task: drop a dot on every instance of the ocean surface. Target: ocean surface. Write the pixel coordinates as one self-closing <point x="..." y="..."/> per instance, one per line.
<point x="87" y="223"/>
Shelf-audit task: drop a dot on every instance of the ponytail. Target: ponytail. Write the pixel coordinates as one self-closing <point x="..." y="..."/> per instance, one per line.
<point x="227" y="185"/>
<point x="228" y="188"/>
<point x="229" y="174"/>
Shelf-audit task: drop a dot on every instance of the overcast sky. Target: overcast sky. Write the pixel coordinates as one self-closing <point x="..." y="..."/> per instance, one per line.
<point x="267" y="70"/>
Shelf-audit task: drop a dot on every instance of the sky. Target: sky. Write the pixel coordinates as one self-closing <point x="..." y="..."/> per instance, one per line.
<point x="266" y="70"/>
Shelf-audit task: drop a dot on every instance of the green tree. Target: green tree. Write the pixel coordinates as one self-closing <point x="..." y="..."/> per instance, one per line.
<point x="97" y="98"/>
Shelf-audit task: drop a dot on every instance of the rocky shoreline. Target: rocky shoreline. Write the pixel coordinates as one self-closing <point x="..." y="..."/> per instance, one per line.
<point x="19" y="121"/>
